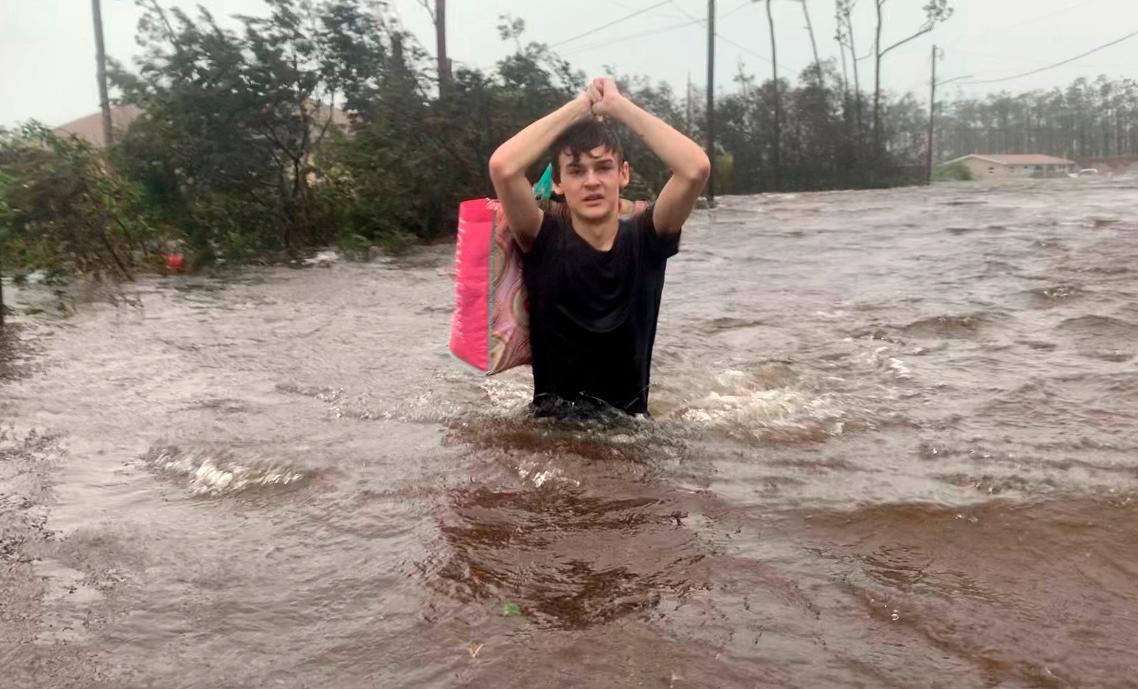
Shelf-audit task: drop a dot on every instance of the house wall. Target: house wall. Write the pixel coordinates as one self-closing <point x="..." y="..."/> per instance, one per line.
<point x="982" y="169"/>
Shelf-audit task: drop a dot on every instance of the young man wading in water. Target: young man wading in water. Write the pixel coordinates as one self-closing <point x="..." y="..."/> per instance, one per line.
<point x="594" y="280"/>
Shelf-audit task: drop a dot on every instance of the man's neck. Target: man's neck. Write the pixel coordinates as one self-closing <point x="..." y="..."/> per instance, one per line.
<point x="600" y="234"/>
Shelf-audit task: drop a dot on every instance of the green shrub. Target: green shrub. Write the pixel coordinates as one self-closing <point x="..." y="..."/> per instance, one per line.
<point x="953" y="172"/>
<point x="64" y="210"/>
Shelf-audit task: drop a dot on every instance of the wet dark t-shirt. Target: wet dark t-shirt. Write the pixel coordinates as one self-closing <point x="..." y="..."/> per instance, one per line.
<point x="593" y="314"/>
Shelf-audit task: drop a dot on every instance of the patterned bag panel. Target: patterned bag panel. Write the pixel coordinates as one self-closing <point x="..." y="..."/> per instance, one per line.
<point x="490" y="325"/>
<point x="509" y="307"/>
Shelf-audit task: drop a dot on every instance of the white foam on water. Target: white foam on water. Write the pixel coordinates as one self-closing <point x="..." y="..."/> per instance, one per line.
<point x="539" y="473"/>
<point x="740" y="402"/>
<point x="507" y="396"/>
<point x="218" y="472"/>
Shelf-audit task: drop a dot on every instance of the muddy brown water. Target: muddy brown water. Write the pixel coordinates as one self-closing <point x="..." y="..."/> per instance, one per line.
<point x="894" y="444"/>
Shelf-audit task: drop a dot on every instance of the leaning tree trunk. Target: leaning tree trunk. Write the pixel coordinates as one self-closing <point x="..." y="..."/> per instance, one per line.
<point x="777" y="105"/>
<point x="845" y="74"/>
<point x="857" y="80"/>
<point x="877" y="87"/>
<point x="101" y="67"/>
<point x="813" y="43"/>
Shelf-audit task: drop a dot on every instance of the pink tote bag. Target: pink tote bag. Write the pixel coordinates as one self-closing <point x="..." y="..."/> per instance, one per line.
<point x="490" y="326"/>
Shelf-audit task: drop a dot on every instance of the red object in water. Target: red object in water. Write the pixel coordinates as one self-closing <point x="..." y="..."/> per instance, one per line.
<point x="174" y="262"/>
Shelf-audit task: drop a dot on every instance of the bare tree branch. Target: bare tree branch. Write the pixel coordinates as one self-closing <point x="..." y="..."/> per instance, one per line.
<point x="924" y="30"/>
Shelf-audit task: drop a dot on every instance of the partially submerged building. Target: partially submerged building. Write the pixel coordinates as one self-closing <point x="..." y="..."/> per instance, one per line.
<point x="1009" y="165"/>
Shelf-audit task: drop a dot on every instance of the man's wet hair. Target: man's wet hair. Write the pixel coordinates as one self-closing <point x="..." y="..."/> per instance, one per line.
<point x="582" y="138"/>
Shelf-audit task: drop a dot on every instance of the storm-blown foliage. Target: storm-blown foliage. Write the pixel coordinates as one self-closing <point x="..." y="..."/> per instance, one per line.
<point x="62" y="210"/>
<point x="315" y="124"/>
<point x="320" y="123"/>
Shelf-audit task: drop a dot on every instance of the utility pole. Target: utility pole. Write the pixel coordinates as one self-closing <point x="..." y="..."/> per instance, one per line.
<point x="101" y="61"/>
<point x="711" y="101"/>
<point x="687" y="102"/>
<point x="932" y="120"/>
<point x="441" y="45"/>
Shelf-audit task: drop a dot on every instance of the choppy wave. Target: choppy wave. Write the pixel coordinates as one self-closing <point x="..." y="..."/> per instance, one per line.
<point x="219" y="471"/>
<point x="25" y="490"/>
<point x="16" y="351"/>
<point x="1101" y="326"/>
<point x="955" y="326"/>
<point x="769" y="404"/>
<point x="1056" y="294"/>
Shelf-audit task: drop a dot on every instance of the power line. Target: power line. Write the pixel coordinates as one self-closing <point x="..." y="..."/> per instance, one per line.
<point x="615" y="21"/>
<point x="1008" y="28"/>
<point x="1057" y="64"/>
<point x="723" y="16"/>
<point x="731" y="12"/>
<point x="684" y="12"/>
<point x="628" y="37"/>
<point x="663" y="29"/>
<point x="721" y="36"/>
<point x="742" y="47"/>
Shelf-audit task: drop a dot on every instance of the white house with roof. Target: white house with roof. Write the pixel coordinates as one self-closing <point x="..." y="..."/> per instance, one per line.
<point x="1015" y="165"/>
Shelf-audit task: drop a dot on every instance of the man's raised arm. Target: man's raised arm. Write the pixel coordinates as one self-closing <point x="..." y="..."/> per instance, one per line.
<point x="687" y="161"/>
<point x="508" y="166"/>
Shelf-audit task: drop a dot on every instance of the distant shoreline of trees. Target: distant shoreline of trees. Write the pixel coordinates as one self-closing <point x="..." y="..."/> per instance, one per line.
<point x="236" y="159"/>
<point x="1087" y="120"/>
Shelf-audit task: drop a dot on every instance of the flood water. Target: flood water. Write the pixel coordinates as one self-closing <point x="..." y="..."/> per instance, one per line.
<point x="894" y="444"/>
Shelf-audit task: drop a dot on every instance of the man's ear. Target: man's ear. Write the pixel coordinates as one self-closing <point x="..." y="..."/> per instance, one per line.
<point x="625" y="174"/>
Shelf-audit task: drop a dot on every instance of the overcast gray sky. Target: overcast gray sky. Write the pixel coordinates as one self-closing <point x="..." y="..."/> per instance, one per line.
<point x="47" y="46"/>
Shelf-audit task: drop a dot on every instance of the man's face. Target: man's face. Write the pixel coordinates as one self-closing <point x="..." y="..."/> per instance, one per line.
<point x="591" y="184"/>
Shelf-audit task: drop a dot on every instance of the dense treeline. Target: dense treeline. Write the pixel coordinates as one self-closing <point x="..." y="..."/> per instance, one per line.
<point x="1088" y="119"/>
<point x="321" y="123"/>
<point x="820" y="144"/>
